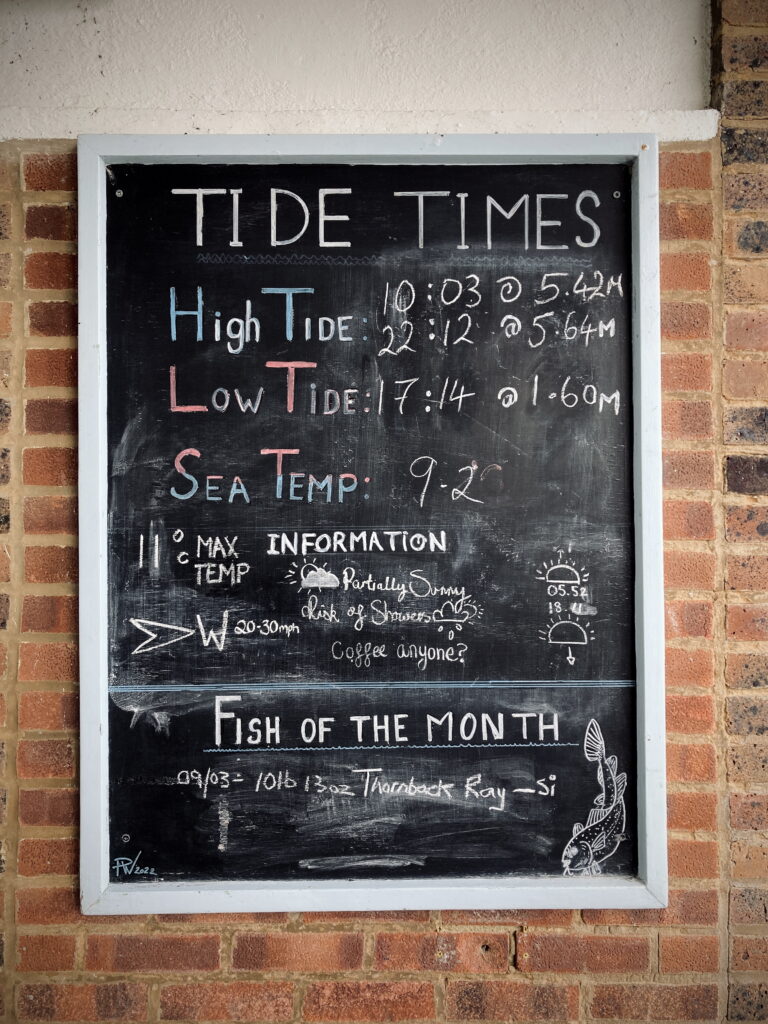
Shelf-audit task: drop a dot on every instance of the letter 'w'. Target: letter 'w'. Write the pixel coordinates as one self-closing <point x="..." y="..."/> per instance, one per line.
<point x="217" y="636"/>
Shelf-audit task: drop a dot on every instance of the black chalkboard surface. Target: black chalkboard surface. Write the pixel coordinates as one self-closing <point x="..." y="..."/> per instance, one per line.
<point x="371" y="553"/>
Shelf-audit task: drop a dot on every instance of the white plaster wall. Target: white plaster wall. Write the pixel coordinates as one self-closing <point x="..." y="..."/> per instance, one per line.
<point x="72" y="66"/>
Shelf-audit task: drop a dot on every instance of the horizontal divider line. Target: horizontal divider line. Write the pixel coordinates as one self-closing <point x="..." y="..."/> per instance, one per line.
<point x="432" y="685"/>
<point x="383" y="746"/>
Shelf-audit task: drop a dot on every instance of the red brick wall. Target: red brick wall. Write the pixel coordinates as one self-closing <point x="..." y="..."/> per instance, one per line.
<point x="706" y="957"/>
<point x="741" y="50"/>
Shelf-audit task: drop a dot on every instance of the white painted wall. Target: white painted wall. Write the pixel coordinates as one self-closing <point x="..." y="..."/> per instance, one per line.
<point x="72" y="66"/>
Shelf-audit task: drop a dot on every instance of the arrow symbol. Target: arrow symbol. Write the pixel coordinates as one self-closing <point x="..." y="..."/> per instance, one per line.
<point x="154" y="631"/>
<point x="570" y="659"/>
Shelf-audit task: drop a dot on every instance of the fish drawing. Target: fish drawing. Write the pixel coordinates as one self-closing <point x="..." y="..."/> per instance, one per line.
<point x="592" y="844"/>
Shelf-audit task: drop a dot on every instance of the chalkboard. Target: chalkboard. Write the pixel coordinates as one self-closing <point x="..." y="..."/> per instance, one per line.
<point x="373" y="618"/>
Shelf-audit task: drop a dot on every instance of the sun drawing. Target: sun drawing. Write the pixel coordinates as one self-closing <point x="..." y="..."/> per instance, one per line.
<point x="562" y="570"/>
<point x="567" y="631"/>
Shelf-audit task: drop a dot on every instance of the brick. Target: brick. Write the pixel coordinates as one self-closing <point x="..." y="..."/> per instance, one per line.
<point x="50" y="514"/>
<point x="5" y="515"/>
<point x="53" y="270"/>
<point x="3" y="659"/>
<point x="55" y="222"/>
<point x="744" y="12"/>
<point x="465" y="952"/>
<point x="298" y="951"/>
<point x="510" y="1000"/>
<point x="50" y="172"/>
<point x="745" y="99"/>
<point x="43" y="709"/>
<point x="691" y="858"/>
<point x="688" y="619"/>
<point x="746" y="522"/>
<point x="517" y="918"/>
<point x="691" y="762"/>
<point x="49" y="906"/>
<point x="6" y="410"/>
<point x="42" y="613"/>
<point x="38" y="759"/>
<point x="50" y="367"/>
<point x="50" y="563"/>
<point x="45" y="952"/>
<point x="745" y="425"/>
<point x="152" y="953"/>
<point x="592" y="953"/>
<point x="743" y="145"/>
<point x="747" y="330"/>
<point x="6" y="319"/>
<point x="50" y="416"/>
<point x="685" y="321"/>
<point x="749" y="905"/>
<point x="747" y="572"/>
<point x="357" y="918"/>
<point x="47" y="857"/>
<point x="686" y="714"/>
<point x="52" y="319"/>
<point x="685" y="272"/>
<point x="654" y="1002"/>
<point x="5" y="466"/>
<point x="5" y="368"/>
<point x="747" y="622"/>
<point x="746" y="237"/>
<point x="685" y="170"/>
<point x="247" y="1001"/>
<point x="749" y="811"/>
<point x="686" y="222"/>
<point x="686" y="667"/>
<point x="749" y="861"/>
<point x="688" y="520"/>
<point x="48" y="807"/>
<point x="746" y="474"/>
<point x="369" y="1001"/>
<point x="83" y="1003"/>
<point x="50" y="467"/>
<point x="746" y="191"/>
<point x="744" y="282"/>
<point x="264" y="920"/>
<point x="686" y="371"/>
<point x="6" y="221"/>
<point x="749" y="953"/>
<point x="686" y="907"/>
<point x="689" y="470"/>
<point x="745" y="379"/>
<point x="746" y="716"/>
<point x="692" y="812"/>
<point x="4" y="612"/>
<point x="5" y="270"/>
<point x="747" y="762"/>
<point x="689" y="570"/>
<point x="681" y="954"/>
<point x="49" y="662"/>
<point x="748" y="1001"/>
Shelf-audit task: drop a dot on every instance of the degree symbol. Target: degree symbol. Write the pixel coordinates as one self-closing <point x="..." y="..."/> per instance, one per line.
<point x="178" y="536"/>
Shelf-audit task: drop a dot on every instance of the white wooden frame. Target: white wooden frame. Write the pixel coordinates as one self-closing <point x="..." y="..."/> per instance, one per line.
<point x="98" y="895"/>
